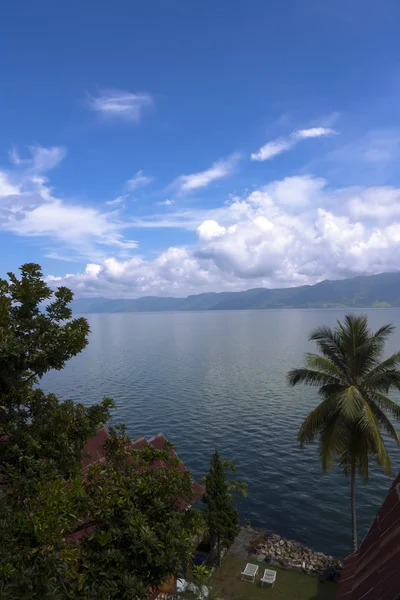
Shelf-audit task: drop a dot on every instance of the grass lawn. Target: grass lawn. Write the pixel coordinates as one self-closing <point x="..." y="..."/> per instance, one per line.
<point x="289" y="585"/>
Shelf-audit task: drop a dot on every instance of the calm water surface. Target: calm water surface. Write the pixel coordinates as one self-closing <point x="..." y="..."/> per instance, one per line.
<point x="217" y="380"/>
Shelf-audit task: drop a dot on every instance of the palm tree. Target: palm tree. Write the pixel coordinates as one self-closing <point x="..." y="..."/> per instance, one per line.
<point x="353" y="383"/>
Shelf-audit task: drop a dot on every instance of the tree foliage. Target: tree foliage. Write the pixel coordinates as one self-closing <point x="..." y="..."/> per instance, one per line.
<point x="221" y="517"/>
<point x="353" y="382"/>
<point x="32" y="340"/>
<point x="112" y="531"/>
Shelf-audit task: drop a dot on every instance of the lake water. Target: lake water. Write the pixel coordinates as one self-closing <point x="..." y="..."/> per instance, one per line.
<point x="217" y="380"/>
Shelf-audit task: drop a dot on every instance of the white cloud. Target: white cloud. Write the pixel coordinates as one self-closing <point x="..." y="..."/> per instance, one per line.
<point x="77" y="226"/>
<point x="219" y="170"/>
<point x="209" y="230"/>
<point x="138" y="180"/>
<point x="271" y="149"/>
<point x="40" y="160"/>
<point x="29" y="208"/>
<point x="376" y="203"/>
<point x="6" y="187"/>
<point x="119" y="104"/>
<point x="296" y="191"/>
<point x="289" y="232"/>
<point x="173" y="271"/>
<point x="313" y="132"/>
<point x="92" y="269"/>
<point x="117" y="201"/>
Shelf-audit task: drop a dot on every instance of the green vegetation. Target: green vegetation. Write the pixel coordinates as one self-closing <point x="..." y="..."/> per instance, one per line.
<point x="353" y="383"/>
<point x="221" y="517"/>
<point x="117" y="530"/>
<point x="289" y="584"/>
<point x="111" y="533"/>
<point x="381" y="305"/>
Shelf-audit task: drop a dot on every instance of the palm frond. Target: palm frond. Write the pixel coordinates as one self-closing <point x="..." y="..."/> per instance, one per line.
<point x="384" y="375"/>
<point x="352" y="333"/>
<point x="330" y="389"/>
<point x="386" y="404"/>
<point x="384" y="332"/>
<point x="310" y="377"/>
<point x="333" y="441"/>
<point x="360" y="347"/>
<point x="370" y="352"/>
<point x="324" y="365"/>
<point x="369" y="427"/>
<point x="316" y="420"/>
<point x="328" y="343"/>
<point x="383" y="382"/>
<point x="351" y="404"/>
<point x="385" y="423"/>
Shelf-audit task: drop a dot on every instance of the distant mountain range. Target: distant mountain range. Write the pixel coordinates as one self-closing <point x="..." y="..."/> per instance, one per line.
<point x="377" y="291"/>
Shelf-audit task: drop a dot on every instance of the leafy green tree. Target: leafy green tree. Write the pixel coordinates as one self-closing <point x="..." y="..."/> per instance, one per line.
<point x="110" y="532"/>
<point x="221" y="517"/>
<point x="33" y="341"/>
<point x="353" y="383"/>
<point x="142" y="535"/>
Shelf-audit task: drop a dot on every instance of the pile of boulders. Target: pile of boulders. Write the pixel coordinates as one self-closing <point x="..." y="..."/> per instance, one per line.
<point x="292" y="555"/>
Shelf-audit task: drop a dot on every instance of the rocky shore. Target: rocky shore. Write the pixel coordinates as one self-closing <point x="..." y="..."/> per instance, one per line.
<point x="288" y="554"/>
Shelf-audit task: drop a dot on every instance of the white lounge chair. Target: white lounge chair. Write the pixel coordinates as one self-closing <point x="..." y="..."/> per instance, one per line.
<point x="250" y="572"/>
<point x="268" y="577"/>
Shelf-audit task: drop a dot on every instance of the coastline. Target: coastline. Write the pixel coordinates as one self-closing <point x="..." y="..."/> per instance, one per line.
<point x="264" y="546"/>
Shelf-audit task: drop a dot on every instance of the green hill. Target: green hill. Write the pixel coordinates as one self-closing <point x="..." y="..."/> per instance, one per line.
<point x="376" y="291"/>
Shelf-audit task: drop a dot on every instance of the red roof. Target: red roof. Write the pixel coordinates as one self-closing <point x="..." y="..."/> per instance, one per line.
<point x="373" y="572"/>
<point x="93" y="452"/>
<point x="95" y="449"/>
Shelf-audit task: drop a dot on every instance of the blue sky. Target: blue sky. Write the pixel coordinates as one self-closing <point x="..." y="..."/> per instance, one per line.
<point x="178" y="147"/>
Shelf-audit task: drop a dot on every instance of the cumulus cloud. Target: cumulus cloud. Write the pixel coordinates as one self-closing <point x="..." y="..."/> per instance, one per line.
<point x="275" y="147"/>
<point x="174" y="271"/>
<point x="195" y="181"/>
<point x="376" y="203"/>
<point x="210" y="229"/>
<point x="289" y="231"/>
<point x="296" y="191"/>
<point x="119" y="104"/>
<point x="292" y="231"/>
<point x="138" y="180"/>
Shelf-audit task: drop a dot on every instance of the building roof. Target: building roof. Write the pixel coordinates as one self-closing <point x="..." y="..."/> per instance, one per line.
<point x="373" y="572"/>
<point x="93" y="452"/>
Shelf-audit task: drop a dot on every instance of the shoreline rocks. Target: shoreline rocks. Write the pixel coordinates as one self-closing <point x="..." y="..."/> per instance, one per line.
<point x="276" y="550"/>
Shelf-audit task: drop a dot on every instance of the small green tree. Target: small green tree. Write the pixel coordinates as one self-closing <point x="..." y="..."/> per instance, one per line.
<point x="221" y="517"/>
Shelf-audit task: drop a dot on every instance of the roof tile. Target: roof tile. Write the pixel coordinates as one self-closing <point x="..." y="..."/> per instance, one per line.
<point x="373" y="572"/>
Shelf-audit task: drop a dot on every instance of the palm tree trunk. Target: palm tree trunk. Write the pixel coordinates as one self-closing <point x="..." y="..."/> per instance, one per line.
<point x="353" y="507"/>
